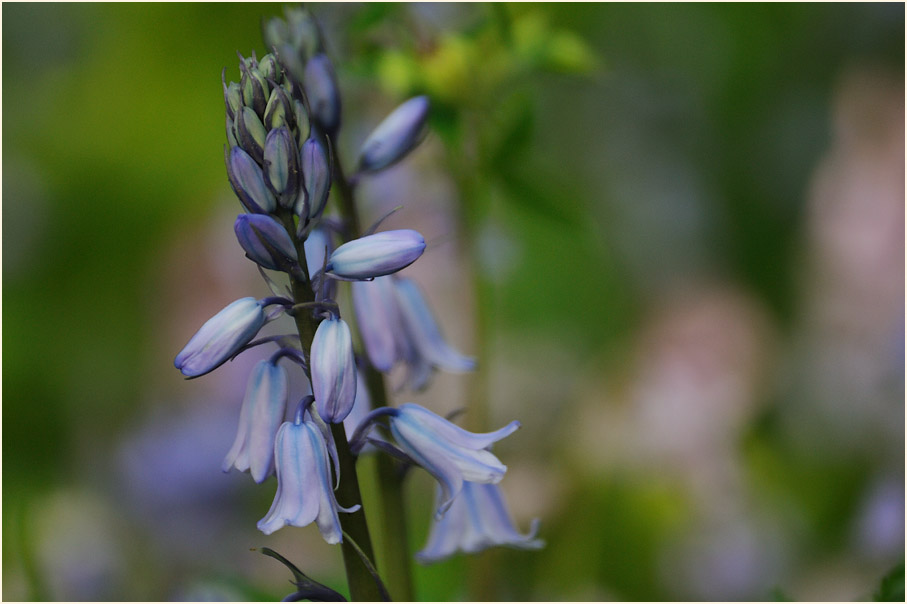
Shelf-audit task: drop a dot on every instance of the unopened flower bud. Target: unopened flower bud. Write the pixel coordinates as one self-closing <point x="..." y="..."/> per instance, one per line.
<point x="396" y="136"/>
<point x="304" y="32"/>
<point x="281" y="165"/>
<point x="324" y="96"/>
<point x="251" y="133"/>
<point x="221" y="337"/>
<point x="265" y="241"/>
<point x="333" y="370"/>
<point x="232" y="98"/>
<point x="269" y="68"/>
<point x="279" y="110"/>
<point x="247" y="182"/>
<point x="275" y="32"/>
<point x="254" y="90"/>
<point x="316" y="179"/>
<point x="376" y="255"/>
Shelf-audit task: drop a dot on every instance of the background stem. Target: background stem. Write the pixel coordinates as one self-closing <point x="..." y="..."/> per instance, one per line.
<point x="396" y="566"/>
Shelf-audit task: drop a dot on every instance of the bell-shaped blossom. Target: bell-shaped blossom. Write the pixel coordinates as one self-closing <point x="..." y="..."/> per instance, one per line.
<point x="262" y="413"/>
<point x="221" y="337"/>
<point x="476" y="520"/>
<point x="333" y="368"/>
<point x="265" y="241"/>
<point x="378" y="317"/>
<point x="449" y="453"/>
<point x="323" y="93"/>
<point x="397" y="325"/>
<point x="396" y="136"/>
<point x="422" y="328"/>
<point x="376" y="255"/>
<point x="304" y="490"/>
<point x="248" y="183"/>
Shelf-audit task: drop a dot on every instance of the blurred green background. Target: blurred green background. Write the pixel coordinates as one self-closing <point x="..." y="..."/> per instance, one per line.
<point x="673" y="235"/>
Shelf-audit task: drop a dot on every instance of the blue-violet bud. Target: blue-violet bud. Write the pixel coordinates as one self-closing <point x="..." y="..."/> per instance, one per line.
<point x="281" y="164"/>
<point x="221" y="337"/>
<point x="324" y="96"/>
<point x="316" y="180"/>
<point x="248" y="183"/>
<point x="376" y="255"/>
<point x="396" y="136"/>
<point x="265" y="241"/>
<point x="263" y="410"/>
<point x="333" y="370"/>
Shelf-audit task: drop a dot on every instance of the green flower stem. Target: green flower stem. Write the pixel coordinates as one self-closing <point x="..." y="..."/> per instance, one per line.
<point x="396" y="567"/>
<point x="362" y="585"/>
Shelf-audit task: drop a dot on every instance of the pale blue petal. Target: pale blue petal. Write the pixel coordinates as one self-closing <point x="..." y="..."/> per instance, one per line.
<point x="221" y="337"/>
<point x="376" y="255"/>
<point x="333" y="370"/>
<point x="379" y="322"/>
<point x="424" y="330"/>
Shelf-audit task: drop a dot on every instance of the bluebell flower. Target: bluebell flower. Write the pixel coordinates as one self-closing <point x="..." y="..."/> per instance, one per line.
<point x="262" y="413"/>
<point x="378" y="316"/>
<point x="396" y="136"/>
<point x="333" y="369"/>
<point x="424" y="332"/>
<point x="449" y="453"/>
<point x="397" y="325"/>
<point x="477" y="519"/>
<point x="376" y="255"/>
<point x="304" y="490"/>
<point x="265" y="241"/>
<point x="221" y="337"/>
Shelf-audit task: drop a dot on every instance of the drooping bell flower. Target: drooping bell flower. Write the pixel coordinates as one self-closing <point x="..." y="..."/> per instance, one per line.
<point x="304" y="490"/>
<point x="262" y="413"/>
<point x="476" y="520"/>
<point x="376" y="255"/>
<point x="221" y="337"/>
<point x="397" y="135"/>
<point x="376" y="309"/>
<point x="424" y="332"/>
<point x="333" y="368"/>
<point x="449" y="453"/>
<point x="265" y="241"/>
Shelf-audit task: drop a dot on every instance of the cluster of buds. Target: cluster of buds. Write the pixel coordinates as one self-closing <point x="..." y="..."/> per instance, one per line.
<point x="281" y="120"/>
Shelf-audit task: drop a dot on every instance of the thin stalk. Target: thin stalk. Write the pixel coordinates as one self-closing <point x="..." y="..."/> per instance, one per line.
<point x="396" y="564"/>
<point x="362" y="585"/>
